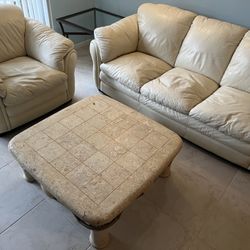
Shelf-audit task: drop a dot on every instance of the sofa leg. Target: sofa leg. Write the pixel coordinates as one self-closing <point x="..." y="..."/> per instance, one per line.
<point x="99" y="239"/>
<point x="166" y="172"/>
<point x="28" y="176"/>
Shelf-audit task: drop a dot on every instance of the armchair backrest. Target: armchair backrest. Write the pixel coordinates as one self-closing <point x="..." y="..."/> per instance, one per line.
<point x="12" y="29"/>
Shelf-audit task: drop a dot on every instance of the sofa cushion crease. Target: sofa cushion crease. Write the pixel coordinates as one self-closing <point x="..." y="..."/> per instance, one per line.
<point x="179" y="89"/>
<point x="25" y="79"/>
<point x="208" y="47"/>
<point x="135" y="69"/>
<point x="162" y="29"/>
<point x="214" y="112"/>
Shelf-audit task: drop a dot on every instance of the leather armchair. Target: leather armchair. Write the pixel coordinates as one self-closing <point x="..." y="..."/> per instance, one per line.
<point x="36" y="69"/>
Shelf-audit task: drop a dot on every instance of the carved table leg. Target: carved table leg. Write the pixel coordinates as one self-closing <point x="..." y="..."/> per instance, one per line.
<point x="166" y="172"/>
<point x="27" y="176"/>
<point x="99" y="239"/>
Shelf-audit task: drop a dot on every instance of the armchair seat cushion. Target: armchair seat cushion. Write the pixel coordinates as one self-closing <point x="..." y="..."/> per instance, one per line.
<point x="25" y="78"/>
<point x="228" y="111"/>
<point x="135" y="69"/>
<point x="179" y="89"/>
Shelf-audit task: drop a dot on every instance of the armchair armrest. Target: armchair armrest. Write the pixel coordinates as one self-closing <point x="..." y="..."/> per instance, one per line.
<point x="117" y="39"/>
<point x="45" y="45"/>
<point x="2" y="89"/>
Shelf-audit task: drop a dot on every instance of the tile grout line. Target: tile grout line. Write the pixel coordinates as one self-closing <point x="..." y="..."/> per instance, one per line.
<point x="6" y="164"/>
<point x="227" y="187"/>
<point x="2" y="232"/>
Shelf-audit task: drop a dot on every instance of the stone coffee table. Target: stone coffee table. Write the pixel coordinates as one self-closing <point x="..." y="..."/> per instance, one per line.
<point x="96" y="157"/>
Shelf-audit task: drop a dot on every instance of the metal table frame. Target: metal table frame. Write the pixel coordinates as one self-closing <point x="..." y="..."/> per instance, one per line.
<point x="84" y="31"/>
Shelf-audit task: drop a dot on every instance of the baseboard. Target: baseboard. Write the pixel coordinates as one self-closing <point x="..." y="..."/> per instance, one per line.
<point x="83" y="43"/>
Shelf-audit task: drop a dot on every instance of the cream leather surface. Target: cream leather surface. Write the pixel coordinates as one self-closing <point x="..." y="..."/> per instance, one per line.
<point x="69" y="69"/>
<point x="45" y="45"/>
<point x="12" y="27"/>
<point x="162" y="29"/>
<point x="209" y="46"/>
<point x="179" y="89"/>
<point x="117" y="39"/>
<point x="237" y="74"/>
<point x="36" y="69"/>
<point x="26" y="78"/>
<point x="135" y="69"/>
<point x="2" y="89"/>
<point x="96" y="58"/>
<point x="4" y="121"/>
<point x="211" y="132"/>
<point x="118" y="86"/>
<point x="228" y="111"/>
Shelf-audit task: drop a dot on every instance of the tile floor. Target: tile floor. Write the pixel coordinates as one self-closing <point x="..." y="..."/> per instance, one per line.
<point x="204" y="205"/>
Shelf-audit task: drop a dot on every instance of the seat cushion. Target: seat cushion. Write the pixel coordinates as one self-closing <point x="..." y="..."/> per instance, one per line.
<point x="209" y="46"/>
<point x="135" y="69"/>
<point x="227" y="110"/>
<point x="25" y="79"/>
<point x="12" y="29"/>
<point x="179" y="89"/>
<point x="162" y="29"/>
<point x="237" y="74"/>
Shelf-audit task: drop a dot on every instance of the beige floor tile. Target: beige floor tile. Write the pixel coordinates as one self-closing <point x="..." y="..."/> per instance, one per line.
<point x="185" y="196"/>
<point x="240" y="185"/>
<point x="228" y="225"/>
<point x="206" y="164"/>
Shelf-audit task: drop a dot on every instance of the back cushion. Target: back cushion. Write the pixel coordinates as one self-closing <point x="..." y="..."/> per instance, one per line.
<point x="162" y="29"/>
<point x="208" y="47"/>
<point x="12" y="28"/>
<point x="117" y="39"/>
<point x="237" y="74"/>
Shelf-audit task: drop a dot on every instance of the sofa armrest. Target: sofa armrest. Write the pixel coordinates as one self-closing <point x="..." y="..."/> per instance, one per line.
<point x="96" y="59"/>
<point x="117" y="39"/>
<point x="45" y="45"/>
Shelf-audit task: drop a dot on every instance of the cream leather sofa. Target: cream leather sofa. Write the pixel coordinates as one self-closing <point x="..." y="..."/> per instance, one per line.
<point x="36" y="69"/>
<point x="189" y="72"/>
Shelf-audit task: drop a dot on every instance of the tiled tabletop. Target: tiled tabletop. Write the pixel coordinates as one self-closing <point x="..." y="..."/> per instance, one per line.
<point x="96" y="156"/>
